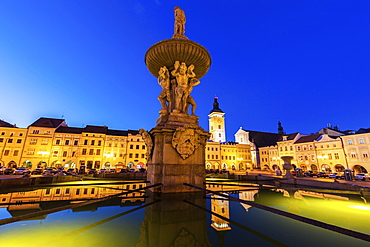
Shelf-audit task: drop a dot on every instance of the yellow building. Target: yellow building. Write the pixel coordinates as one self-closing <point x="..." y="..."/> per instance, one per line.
<point x="49" y="142"/>
<point x="357" y="150"/>
<point x="12" y="141"/>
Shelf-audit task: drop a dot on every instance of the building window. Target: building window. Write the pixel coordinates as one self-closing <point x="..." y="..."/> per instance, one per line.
<point x="67" y="142"/>
<point x="219" y="135"/>
<point x="99" y="143"/>
<point x="92" y="142"/>
<point x="304" y="148"/>
<point x="15" y="153"/>
<point x="208" y="156"/>
<point x="35" y="131"/>
<point x="84" y="150"/>
<point x="33" y="141"/>
<point x="1" y="139"/>
<point x="330" y="156"/>
<point x="361" y="141"/>
<point x="334" y="145"/>
<point x="131" y="146"/>
<point x="137" y="146"/>
<point x="19" y="141"/>
<point x="350" y="142"/>
<point x="55" y="153"/>
<point x="6" y="152"/>
<point x="64" y="153"/>
<point x="91" y="152"/>
<point x="2" y="133"/>
<point x="143" y="147"/>
<point x="44" y="142"/>
<point x="10" y="141"/>
<point x="353" y="155"/>
<point x="31" y="151"/>
<point x="85" y="142"/>
<point x="336" y="156"/>
<point x="130" y="155"/>
<point x="291" y="148"/>
<point x="298" y="148"/>
<point x="57" y="142"/>
<point x="73" y="153"/>
<point x="97" y="151"/>
<point x="310" y="147"/>
<point x="286" y="148"/>
<point x="219" y="126"/>
<point x="75" y="143"/>
<point x="365" y="155"/>
<point x="136" y="156"/>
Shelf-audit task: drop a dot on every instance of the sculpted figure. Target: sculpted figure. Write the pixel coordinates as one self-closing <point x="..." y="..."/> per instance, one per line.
<point x="148" y="142"/>
<point x="190" y="100"/>
<point x="182" y="74"/>
<point x="180" y="20"/>
<point x="164" y="82"/>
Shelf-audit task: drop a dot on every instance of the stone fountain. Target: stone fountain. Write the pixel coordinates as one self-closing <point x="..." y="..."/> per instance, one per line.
<point x="176" y="145"/>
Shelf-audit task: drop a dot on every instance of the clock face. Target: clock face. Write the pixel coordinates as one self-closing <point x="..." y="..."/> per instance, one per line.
<point x="219" y="121"/>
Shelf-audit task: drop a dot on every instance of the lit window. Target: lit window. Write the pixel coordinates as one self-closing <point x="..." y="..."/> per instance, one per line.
<point x="350" y="142"/>
<point x="361" y="141"/>
<point x="33" y="141"/>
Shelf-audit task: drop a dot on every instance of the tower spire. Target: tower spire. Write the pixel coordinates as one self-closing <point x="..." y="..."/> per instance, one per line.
<point x="216" y="107"/>
<point x="280" y="129"/>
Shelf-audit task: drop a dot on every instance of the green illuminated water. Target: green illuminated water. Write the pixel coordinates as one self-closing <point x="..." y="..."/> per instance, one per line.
<point x="181" y="220"/>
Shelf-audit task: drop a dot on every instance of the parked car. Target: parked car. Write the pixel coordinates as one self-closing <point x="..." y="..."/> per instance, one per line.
<point x="294" y="173"/>
<point x="22" y="171"/>
<point x="8" y="171"/>
<point x="123" y="171"/>
<point x="50" y="170"/>
<point x="336" y="175"/>
<point x="308" y="174"/>
<point x="92" y="171"/>
<point x="37" y="171"/>
<point x="70" y="172"/>
<point x="112" y="171"/>
<point x="103" y="171"/>
<point x="321" y="175"/>
<point x="361" y="176"/>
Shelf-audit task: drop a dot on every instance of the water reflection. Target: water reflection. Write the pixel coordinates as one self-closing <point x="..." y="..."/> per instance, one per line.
<point x="144" y="219"/>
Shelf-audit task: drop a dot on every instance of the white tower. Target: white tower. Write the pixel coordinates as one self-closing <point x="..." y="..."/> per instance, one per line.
<point x="217" y="123"/>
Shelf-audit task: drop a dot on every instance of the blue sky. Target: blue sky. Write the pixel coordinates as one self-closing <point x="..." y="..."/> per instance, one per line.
<point x="305" y="62"/>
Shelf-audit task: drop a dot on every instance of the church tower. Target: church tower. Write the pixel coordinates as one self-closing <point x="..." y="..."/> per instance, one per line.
<point x="217" y="123"/>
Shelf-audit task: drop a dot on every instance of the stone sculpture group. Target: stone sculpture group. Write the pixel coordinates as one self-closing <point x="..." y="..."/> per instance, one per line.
<point x="180" y="88"/>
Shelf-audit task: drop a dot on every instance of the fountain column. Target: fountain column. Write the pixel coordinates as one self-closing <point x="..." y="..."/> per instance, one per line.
<point x="287" y="166"/>
<point x="176" y="145"/>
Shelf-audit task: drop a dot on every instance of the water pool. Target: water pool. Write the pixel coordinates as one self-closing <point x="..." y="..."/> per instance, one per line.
<point x="141" y="219"/>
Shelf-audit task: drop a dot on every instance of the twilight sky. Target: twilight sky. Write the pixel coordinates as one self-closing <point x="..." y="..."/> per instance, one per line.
<point x="305" y="62"/>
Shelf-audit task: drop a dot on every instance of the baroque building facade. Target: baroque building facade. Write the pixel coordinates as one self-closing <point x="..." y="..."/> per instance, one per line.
<point x="50" y="142"/>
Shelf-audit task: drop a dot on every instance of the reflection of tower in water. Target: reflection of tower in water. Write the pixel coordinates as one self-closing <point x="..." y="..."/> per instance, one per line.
<point x="220" y="206"/>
